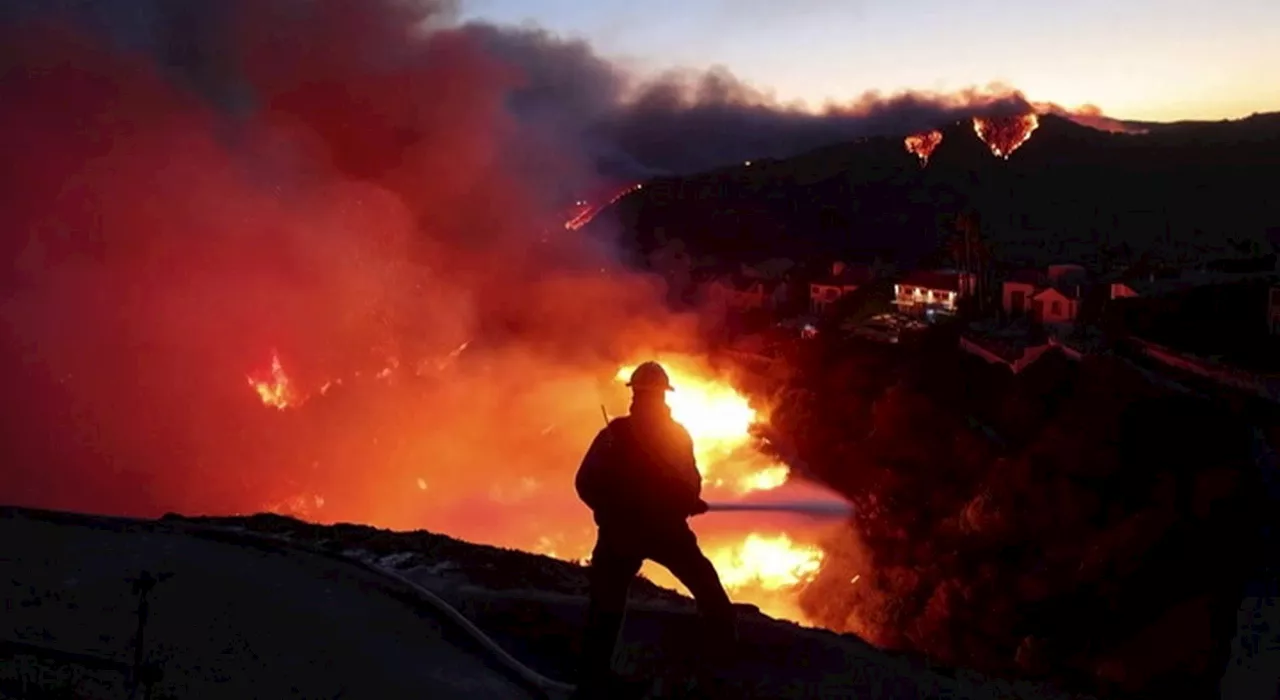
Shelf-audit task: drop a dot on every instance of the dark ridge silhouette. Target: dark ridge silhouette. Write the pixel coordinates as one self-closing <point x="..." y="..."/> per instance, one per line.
<point x="1070" y="193"/>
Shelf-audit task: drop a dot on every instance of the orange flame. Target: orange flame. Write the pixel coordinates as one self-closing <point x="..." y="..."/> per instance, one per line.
<point x="720" y="420"/>
<point x="277" y="392"/>
<point x="1004" y="135"/>
<point x="923" y="144"/>
<point x="770" y="562"/>
<point x="757" y="563"/>
<point x="767" y="570"/>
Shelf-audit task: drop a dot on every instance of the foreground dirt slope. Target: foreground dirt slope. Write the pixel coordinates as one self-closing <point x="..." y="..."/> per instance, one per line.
<point x="233" y="621"/>
<point x="534" y="607"/>
<point x="241" y="619"/>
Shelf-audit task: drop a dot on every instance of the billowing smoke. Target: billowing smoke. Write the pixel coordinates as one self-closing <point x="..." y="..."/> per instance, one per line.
<point x="357" y="197"/>
<point x="692" y="120"/>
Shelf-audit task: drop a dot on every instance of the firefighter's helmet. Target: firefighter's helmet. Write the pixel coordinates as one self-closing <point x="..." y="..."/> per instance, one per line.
<point x="650" y="375"/>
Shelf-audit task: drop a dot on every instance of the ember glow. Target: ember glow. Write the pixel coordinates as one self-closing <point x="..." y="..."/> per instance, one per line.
<point x="769" y="562"/>
<point x="767" y="569"/>
<point x="761" y="560"/>
<point x="585" y="211"/>
<point x="923" y="144"/>
<point x="275" y="390"/>
<point x="1004" y="135"/>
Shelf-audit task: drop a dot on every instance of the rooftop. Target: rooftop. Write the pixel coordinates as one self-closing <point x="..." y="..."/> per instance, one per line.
<point x="945" y="281"/>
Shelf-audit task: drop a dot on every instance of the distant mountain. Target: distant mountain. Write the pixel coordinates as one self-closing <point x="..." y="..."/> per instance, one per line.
<point x="1256" y="126"/>
<point x="1180" y="191"/>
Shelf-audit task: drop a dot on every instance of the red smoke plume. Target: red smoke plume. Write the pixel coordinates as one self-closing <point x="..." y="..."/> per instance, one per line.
<point x="371" y="209"/>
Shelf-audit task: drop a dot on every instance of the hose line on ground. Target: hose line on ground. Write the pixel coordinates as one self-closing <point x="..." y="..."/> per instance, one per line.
<point x="547" y="687"/>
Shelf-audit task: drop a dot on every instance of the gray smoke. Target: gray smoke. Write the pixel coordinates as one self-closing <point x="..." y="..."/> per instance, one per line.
<point x="690" y="120"/>
<point x="630" y="126"/>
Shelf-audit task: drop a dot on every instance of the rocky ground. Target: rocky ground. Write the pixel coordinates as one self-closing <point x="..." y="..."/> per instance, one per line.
<point x="240" y="618"/>
<point x="233" y="621"/>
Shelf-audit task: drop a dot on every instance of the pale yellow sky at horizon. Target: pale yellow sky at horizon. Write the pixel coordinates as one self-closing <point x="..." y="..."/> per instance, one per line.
<point x="1160" y="60"/>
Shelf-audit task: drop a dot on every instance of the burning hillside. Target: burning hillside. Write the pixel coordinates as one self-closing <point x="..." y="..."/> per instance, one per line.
<point x="584" y="211"/>
<point x="923" y="144"/>
<point x="764" y="562"/>
<point x="1004" y="135"/>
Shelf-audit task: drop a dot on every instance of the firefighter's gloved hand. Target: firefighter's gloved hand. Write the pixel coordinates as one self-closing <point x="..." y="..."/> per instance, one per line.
<point x="699" y="507"/>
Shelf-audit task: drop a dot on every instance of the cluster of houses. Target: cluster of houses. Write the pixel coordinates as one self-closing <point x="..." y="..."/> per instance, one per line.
<point x="1014" y="319"/>
<point x="921" y="293"/>
<point x="1051" y="296"/>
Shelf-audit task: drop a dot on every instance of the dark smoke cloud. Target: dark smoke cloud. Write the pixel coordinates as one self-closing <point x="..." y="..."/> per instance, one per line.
<point x="630" y="126"/>
<point x="690" y="120"/>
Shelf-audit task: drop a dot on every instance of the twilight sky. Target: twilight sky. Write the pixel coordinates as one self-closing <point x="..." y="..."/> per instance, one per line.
<point x="1140" y="59"/>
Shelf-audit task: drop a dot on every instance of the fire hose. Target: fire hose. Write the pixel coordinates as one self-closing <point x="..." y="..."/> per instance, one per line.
<point x="817" y="509"/>
<point x="814" y="509"/>
<point x="418" y="594"/>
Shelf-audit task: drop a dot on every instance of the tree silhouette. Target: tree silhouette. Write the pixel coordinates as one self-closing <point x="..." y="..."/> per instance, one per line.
<point x="970" y="250"/>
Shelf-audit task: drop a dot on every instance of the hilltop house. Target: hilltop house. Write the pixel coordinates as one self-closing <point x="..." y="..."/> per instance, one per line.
<point x="1051" y="298"/>
<point x="1053" y="306"/>
<point x="844" y="279"/>
<point x="925" y="293"/>
<point x="1017" y="291"/>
